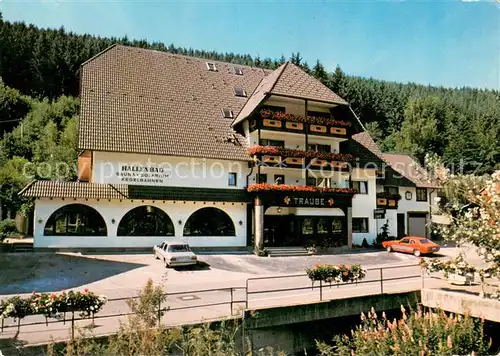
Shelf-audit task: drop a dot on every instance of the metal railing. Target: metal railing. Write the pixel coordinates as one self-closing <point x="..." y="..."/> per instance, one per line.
<point x="322" y="285"/>
<point x="380" y="278"/>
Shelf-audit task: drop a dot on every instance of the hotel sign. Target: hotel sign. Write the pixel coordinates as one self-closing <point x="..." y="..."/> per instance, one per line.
<point x="141" y="174"/>
<point x="317" y="202"/>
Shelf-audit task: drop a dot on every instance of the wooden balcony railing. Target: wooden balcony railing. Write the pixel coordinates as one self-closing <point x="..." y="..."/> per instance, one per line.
<point x="284" y="157"/>
<point x="277" y="121"/>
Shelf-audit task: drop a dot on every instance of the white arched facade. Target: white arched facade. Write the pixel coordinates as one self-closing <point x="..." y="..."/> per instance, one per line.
<point x="113" y="211"/>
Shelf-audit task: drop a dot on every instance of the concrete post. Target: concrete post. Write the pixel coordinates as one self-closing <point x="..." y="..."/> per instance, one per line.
<point x="349" y="227"/>
<point x="259" y="224"/>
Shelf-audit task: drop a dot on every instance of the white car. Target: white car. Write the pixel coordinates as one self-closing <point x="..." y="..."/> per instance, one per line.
<point x="175" y="253"/>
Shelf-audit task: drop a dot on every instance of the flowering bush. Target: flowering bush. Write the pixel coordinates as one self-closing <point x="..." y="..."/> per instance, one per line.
<point x="415" y="333"/>
<point x="52" y="305"/>
<point x="336" y="273"/>
<point x="266" y="187"/>
<point x="387" y="195"/>
<point x="457" y="266"/>
<point x="269" y="114"/>
<point x="287" y="152"/>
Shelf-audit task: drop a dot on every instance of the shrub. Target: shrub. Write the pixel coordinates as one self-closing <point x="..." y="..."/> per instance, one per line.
<point x="364" y="244"/>
<point x="382" y="235"/>
<point x="417" y="333"/>
<point x="7" y="228"/>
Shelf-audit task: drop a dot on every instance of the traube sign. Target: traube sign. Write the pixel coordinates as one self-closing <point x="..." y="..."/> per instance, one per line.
<point x="308" y="201"/>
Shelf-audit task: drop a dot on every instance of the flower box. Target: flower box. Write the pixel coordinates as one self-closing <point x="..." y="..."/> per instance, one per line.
<point x="336" y="273"/>
<point x="319" y="162"/>
<point x="270" y="159"/>
<point x="457" y="279"/>
<point x="339" y="165"/>
<point x="294" y="160"/>
<point x="381" y="201"/>
<point x="338" y="131"/>
<point x="265" y="187"/>
<point x="271" y="123"/>
<point x="294" y="126"/>
<point x="391" y="202"/>
<point x="317" y="128"/>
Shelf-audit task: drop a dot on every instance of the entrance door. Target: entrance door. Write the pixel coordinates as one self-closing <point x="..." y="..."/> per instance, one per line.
<point x="416" y="224"/>
<point x="401" y="225"/>
<point x="278" y="230"/>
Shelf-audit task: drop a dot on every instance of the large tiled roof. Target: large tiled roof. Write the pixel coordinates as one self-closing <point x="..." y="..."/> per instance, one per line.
<point x="291" y="81"/>
<point x="365" y="139"/>
<point x="410" y="168"/>
<point x="80" y="190"/>
<point x="145" y="101"/>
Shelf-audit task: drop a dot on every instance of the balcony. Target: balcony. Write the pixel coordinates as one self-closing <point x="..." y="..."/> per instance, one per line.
<point x="289" y="158"/>
<point x="312" y="125"/>
<point x="387" y="200"/>
<point x="301" y="195"/>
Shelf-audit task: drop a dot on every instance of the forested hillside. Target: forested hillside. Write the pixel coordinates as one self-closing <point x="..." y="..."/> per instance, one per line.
<point x="39" y="71"/>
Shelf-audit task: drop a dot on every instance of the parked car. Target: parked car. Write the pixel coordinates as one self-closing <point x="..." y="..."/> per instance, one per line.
<point x="412" y="244"/>
<point x="175" y="254"/>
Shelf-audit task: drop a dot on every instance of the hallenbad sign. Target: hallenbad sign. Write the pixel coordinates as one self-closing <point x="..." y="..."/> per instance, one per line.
<point x="141" y="174"/>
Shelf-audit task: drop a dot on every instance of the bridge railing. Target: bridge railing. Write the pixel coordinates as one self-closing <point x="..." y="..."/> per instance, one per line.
<point x="383" y="277"/>
<point x="214" y="301"/>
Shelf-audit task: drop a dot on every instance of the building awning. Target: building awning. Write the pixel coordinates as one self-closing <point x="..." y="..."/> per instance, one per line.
<point x="81" y="190"/>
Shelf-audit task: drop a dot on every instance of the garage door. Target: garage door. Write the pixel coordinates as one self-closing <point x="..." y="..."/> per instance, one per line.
<point x="416" y="224"/>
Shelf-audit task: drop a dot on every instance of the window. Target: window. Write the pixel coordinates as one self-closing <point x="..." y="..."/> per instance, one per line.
<point x="75" y="220"/>
<point x="308" y="227"/>
<point x="211" y="67"/>
<point x="319" y="148"/>
<point x="240" y="91"/>
<point x="391" y="190"/>
<point x="279" y="179"/>
<point x="232" y="180"/>
<point x="360" y="225"/>
<point x="262" y="178"/>
<point x="178" y="248"/>
<point x="227" y="113"/>
<point x="238" y="71"/>
<point x="273" y="108"/>
<point x="311" y="181"/>
<point x="360" y="186"/>
<point x="421" y="194"/>
<point x="209" y="222"/>
<point x="275" y="143"/>
<point x="146" y="221"/>
<point x="405" y="241"/>
<point x="323" y="182"/>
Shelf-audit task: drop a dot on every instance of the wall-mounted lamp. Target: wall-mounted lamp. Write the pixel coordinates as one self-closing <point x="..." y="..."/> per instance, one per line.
<point x="408" y="195"/>
<point x="180" y="222"/>
<point x="240" y="222"/>
<point x="113" y="221"/>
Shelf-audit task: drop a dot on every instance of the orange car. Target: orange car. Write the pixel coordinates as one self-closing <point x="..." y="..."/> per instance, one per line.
<point x="412" y="244"/>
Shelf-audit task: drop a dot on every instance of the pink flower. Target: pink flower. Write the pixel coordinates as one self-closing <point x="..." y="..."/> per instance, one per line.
<point x="86" y="290"/>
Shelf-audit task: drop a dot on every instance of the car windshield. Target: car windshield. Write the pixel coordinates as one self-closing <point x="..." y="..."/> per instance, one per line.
<point x="425" y="241"/>
<point x="178" y="248"/>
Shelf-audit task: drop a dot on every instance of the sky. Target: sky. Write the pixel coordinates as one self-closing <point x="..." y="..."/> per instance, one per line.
<point x="451" y="43"/>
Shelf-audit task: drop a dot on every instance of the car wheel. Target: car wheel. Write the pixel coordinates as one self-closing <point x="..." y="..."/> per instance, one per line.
<point x="389" y="249"/>
<point x="416" y="253"/>
<point x="166" y="263"/>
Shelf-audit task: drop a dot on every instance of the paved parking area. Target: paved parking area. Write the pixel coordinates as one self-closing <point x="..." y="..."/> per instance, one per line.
<point x="120" y="275"/>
